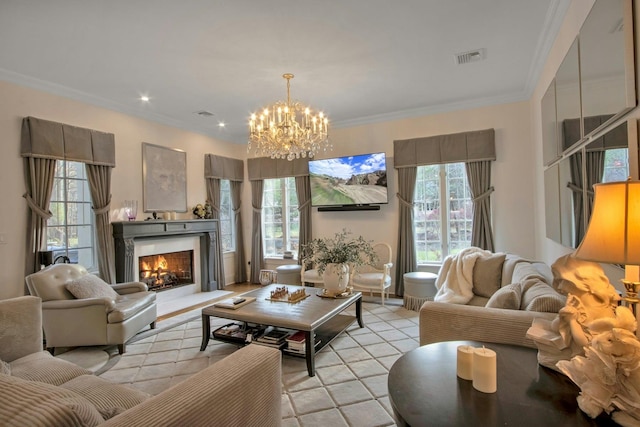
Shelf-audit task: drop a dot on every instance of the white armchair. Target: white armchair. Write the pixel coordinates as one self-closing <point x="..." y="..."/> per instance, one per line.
<point x="101" y="320"/>
<point x="375" y="277"/>
<point x="310" y="275"/>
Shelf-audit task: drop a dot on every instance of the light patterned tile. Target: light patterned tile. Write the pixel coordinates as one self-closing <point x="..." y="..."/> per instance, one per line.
<point x="380" y="326"/>
<point x="300" y="381"/>
<point x="404" y="345"/>
<point x="402" y="323"/>
<point x="381" y="349"/>
<point x="349" y="392"/>
<point x="154" y="386"/>
<point x="353" y="354"/>
<point x="312" y="400"/>
<point x="153" y="372"/>
<point x="331" y="417"/>
<point x="392" y="335"/>
<point x="285" y="407"/>
<point x="366" y="339"/>
<point x="366" y="414"/>
<point x="377" y="385"/>
<point x="334" y="374"/>
<point x="367" y="368"/>
<point x="343" y="341"/>
<point x="388" y="361"/>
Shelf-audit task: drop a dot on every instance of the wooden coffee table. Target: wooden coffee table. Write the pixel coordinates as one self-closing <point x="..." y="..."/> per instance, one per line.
<point x="425" y="391"/>
<point x="321" y="319"/>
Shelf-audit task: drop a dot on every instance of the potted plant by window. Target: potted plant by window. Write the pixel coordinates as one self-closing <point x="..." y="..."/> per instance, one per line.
<point x="333" y="257"/>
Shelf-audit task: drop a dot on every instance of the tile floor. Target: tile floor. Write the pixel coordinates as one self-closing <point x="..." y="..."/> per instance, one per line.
<point x="350" y="386"/>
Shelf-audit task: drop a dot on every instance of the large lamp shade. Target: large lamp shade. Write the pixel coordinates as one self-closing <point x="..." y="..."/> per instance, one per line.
<point x="613" y="234"/>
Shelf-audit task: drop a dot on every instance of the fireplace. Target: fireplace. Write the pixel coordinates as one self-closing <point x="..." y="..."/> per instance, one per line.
<point x="136" y="240"/>
<point x="167" y="270"/>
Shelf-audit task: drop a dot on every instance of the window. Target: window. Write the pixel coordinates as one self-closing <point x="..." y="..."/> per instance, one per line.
<point x="70" y="231"/>
<point x="443" y="212"/>
<point x="227" y="217"/>
<point x="616" y="165"/>
<point x="280" y="217"/>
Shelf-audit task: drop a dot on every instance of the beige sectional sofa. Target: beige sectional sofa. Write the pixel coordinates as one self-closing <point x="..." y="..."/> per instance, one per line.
<point x="37" y="389"/>
<point x="508" y="295"/>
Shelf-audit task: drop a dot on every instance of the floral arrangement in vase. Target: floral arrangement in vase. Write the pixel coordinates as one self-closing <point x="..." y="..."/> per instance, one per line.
<point x="341" y="249"/>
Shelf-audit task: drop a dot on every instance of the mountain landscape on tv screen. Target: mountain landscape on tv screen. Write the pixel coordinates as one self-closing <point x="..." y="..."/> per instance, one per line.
<point x="353" y="180"/>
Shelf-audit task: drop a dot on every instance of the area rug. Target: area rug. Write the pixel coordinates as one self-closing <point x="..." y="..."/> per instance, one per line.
<point x="350" y="386"/>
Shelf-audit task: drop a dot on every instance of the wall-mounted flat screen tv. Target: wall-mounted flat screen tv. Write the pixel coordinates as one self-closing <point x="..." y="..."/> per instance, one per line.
<point x="349" y="180"/>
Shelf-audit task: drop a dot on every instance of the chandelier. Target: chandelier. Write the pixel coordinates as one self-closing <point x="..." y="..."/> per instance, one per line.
<point x="288" y="130"/>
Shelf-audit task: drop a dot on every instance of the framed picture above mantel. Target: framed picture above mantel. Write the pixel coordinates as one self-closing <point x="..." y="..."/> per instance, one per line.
<point x="164" y="179"/>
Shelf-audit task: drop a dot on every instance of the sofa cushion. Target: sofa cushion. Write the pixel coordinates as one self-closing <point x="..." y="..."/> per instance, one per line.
<point x="526" y="270"/>
<point x="32" y="403"/>
<point x="109" y="399"/>
<point x="507" y="297"/>
<point x="129" y="305"/>
<point x="487" y="275"/>
<point x="537" y="295"/>
<point x="90" y="286"/>
<point x="43" y="367"/>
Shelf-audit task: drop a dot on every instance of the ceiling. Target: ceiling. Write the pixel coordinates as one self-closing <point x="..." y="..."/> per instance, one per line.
<point x="359" y="61"/>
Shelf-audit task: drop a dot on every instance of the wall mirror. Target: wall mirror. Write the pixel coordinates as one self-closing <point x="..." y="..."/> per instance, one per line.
<point x="605" y="90"/>
<point x="568" y="98"/>
<point x="606" y="69"/>
<point x="550" y="150"/>
<point x="569" y="184"/>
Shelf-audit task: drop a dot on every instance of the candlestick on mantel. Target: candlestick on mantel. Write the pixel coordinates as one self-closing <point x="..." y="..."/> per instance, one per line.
<point x="465" y="362"/>
<point x="485" y="372"/>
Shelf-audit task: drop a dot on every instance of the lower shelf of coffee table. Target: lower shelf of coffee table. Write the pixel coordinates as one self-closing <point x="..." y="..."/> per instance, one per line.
<point x="326" y="333"/>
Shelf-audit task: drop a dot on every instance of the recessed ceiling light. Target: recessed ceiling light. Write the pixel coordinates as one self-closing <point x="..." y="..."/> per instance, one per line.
<point x="221" y="124"/>
<point x="144" y="98"/>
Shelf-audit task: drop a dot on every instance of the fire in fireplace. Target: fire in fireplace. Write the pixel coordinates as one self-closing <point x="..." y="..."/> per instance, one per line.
<point x="166" y="271"/>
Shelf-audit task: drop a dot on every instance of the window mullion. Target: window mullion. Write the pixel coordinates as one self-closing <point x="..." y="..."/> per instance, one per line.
<point x="444" y="209"/>
<point x="285" y="213"/>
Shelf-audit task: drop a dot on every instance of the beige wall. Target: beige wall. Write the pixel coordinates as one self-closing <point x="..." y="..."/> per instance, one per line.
<point x="130" y="132"/>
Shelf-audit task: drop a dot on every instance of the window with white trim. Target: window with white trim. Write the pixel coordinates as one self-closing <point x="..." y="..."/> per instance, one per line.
<point x="280" y="217"/>
<point x="227" y="218"/>
<point x="443" y="212"/>
<point x="71" y="228"/>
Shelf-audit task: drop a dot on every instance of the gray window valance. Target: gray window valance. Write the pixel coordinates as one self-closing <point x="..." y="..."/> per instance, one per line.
<point x="223" y="168"/>
<point x="267" y="168"/>
<point x="52" y="140"/>
<point x="458" y="147"/>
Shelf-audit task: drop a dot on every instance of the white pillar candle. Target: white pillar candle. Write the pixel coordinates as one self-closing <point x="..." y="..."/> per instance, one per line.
<point x="465" y="362"/>
<point x="485" y="370"/>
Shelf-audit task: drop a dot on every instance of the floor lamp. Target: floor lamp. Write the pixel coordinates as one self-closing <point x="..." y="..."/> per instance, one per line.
<point x="613" y="234"/>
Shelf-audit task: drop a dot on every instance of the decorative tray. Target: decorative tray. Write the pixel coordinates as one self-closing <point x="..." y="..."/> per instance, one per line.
<point x="323" y="293"/>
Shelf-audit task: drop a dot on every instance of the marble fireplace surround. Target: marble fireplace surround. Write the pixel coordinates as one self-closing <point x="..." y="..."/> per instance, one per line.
<point x="130" y="236"/>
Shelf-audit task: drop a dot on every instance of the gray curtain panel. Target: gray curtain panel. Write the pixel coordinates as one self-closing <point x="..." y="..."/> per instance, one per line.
<point x="575" y="165"/>
<point x="39" y="175"/>
<point x="303" y="190"/>
<point x="219" y="167"/>
<point x="406" y="256"/>
<point x="474" y="146"/>
<point x="42" y="143"/>
<point x="99" y="178"/>
<point x="257" y="253"/>
<point x="241" y="262"/>
<point x="595" y="174"/>
<point x="479" y="180"/>
<point x="213" y="198"/>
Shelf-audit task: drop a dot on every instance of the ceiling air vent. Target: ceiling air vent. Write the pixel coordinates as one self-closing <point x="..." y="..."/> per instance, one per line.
<point x="471" y="56"/>
<point x="204" y="113"/>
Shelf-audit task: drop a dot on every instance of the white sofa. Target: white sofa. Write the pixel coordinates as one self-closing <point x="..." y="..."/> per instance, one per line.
<point x="37" y="389"/>
<point x="525" y="285"/>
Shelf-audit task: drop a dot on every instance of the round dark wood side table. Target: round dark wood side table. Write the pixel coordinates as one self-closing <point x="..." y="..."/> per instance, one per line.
<point x="425" y="391"/>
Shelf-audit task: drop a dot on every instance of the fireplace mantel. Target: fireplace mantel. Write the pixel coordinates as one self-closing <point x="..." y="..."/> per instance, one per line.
<point x="126" y="232"/>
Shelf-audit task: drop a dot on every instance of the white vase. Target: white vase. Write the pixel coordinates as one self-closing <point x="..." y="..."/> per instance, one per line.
<point x="336" y="277"/>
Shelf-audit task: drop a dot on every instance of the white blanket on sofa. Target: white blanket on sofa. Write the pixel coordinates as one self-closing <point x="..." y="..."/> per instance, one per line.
<point x="455" y="278"/>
